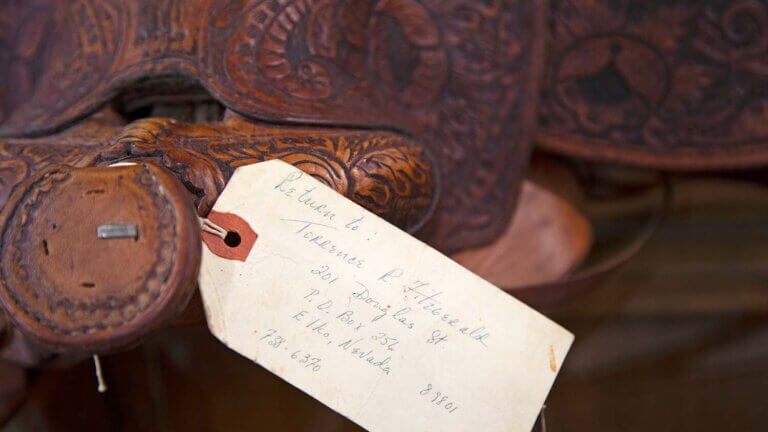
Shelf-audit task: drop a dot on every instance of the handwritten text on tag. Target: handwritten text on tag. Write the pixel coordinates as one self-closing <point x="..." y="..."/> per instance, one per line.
<point x="370" y="321"/>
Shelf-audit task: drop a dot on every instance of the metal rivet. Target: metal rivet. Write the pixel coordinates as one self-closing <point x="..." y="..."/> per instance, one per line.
<point x="111" y="231"/>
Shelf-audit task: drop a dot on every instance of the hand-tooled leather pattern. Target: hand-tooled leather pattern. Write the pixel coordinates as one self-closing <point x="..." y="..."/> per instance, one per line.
<point x="384" y="172"/>
<point x="34" y="294"/>
<point x="389" y="174"/>
<point x="459" y="75"/>
<point x="678" y="84"/>
<point x="20" y="160"/>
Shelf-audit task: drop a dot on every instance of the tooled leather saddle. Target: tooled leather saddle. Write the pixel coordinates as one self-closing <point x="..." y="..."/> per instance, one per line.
<point x="423" y="111"/>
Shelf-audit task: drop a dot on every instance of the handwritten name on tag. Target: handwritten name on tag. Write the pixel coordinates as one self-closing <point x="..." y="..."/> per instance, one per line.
<point x="369" y="320"/>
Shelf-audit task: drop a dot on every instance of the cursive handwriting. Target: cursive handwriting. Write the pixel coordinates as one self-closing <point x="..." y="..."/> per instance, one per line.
<point x="305" y="196"/>
<point x="323" y="242"/>
<point x="429" y="302"/>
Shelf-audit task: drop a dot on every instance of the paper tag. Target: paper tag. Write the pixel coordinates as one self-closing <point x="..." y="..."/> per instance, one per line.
<point x="369" y="320"/>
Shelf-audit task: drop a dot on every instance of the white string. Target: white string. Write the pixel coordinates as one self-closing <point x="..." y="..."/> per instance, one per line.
<point x="99" y="377"/>
<point x="210" y="227"/>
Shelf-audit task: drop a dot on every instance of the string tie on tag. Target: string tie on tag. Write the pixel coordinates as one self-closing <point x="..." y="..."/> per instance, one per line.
<point x="210" y="227"/>
<point x="99" y="376"/>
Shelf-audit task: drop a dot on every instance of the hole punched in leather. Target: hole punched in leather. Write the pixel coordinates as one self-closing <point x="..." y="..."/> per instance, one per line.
<point x="93" y="259"/>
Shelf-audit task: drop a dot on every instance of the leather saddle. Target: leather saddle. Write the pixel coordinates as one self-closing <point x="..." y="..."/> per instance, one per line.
<point x="423" y="111"/>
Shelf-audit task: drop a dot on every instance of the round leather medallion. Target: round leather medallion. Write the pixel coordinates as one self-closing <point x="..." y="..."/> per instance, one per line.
<point x="94" y="258"/>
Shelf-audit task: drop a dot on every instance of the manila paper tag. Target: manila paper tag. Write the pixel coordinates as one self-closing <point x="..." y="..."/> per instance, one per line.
<point x="369" y="320"/>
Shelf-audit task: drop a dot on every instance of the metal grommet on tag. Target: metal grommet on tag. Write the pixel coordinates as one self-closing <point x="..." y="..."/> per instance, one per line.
<point x="228" y="235"/>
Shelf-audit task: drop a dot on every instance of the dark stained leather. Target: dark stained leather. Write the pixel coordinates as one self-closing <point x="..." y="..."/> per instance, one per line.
<point x="458" y="75"/>
<point x="663" y="84"/>
<point x="420" y="110"/>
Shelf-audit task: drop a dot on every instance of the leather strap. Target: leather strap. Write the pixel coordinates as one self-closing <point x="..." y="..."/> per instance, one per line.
<point x="591" y="275"/>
